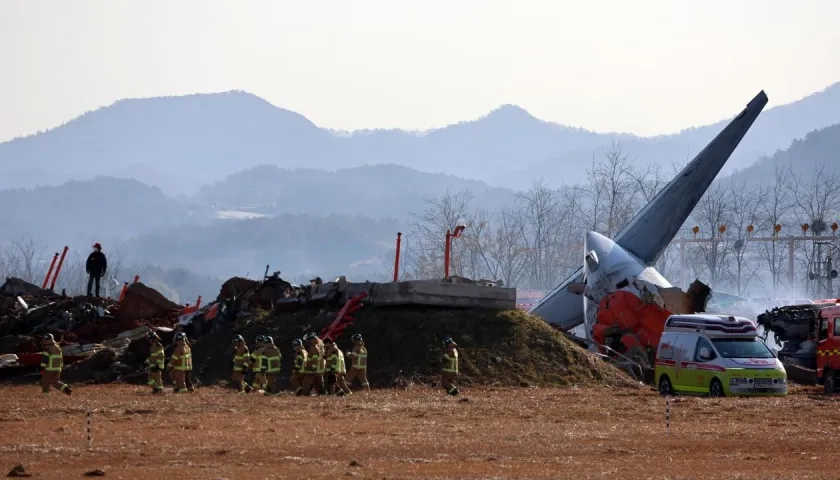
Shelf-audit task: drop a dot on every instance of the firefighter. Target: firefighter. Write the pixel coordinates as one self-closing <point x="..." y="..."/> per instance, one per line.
<point x="314" y="371"/>
<point x="241" y="362"/>
<point x="95" y="266"/>
<point x="450" y="367"/>
<point x="258" y="365"/>
<point x="188" y="381"/>
<point x="273" y="357"/>
<point x="155" y="363"/>
<point x="52" y="361"/>
<point x="358" y="369"/>
<point x="179" y="363"/>
<point x="299" y="367"/>
<point x="336" y="369"/>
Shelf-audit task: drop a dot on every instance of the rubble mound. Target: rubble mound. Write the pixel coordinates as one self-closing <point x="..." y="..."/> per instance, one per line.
<point x="142" y="302"/>
<point x="18" y="286"/>
<point x="255" y="294"/>
<point x="501" y="348"/>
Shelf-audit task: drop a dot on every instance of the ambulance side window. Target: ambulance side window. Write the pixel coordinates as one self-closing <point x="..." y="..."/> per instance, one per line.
<point x="700" y="345"/>
<point x="686" y="345"/>
<point x="836" y="327"/>
<point x="666" y="348"/>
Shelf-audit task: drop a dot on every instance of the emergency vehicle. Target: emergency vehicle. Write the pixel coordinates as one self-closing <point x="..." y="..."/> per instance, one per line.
<point x="716" y="355"/>
<point x="810" y="338"/>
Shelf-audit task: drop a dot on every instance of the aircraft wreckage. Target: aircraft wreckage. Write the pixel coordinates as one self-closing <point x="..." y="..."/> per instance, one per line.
<point x="617" y="294"/>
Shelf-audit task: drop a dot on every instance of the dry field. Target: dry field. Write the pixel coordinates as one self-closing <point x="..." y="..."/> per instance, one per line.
<point x="417" y="433"/>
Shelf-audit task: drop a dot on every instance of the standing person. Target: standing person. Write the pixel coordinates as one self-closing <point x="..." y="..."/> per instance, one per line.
<point x="96" y="266"/>
<point x="258" y="365"/>
<point x="52" y="361"/>
<point x="358" y="369"/>
<point x="450" y="367"/>
<point x="315" y="365"/>
<point x="273" y="358"/>
<point x="188" y="372"/>
<point x="336" y="369"/>
<point x="155" y="363"/>
<point x="241" y="361"/>
<point x="299" y="367"/>
<point x="179" y="363"/>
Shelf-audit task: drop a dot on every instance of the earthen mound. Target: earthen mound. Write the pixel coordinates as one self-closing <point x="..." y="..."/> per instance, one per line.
<point x="504" y="348"/>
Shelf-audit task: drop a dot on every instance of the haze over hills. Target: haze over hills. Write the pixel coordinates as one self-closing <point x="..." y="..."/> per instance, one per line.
<point x="182" y="143"/>
<point x="376" y="191"/>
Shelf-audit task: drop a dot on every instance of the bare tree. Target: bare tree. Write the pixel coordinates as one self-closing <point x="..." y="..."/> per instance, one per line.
<point x="428" y="231"/>
<point x="774" y="205"/>
<point x="744" y="212"/>
<point x="23" y="259"/>
<point x="713" y="210"/>
<point x="612" y="191"/>
<point x="816" y="200"/>
<point x="543" y="215"/>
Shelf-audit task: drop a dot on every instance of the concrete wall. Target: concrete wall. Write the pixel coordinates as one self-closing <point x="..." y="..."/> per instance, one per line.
<point x="434" y="293"/>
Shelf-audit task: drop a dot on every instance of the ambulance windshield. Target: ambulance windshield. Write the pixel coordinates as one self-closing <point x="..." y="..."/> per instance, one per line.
<point x="742" y="348"/>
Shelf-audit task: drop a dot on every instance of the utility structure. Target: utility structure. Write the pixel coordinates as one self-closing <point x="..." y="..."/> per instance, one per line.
<point x="791" y="240"/>
<point x="447" y="252"/>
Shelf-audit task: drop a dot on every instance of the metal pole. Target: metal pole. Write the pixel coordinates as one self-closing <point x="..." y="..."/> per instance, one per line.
<point x="791" y="266"/>
<point x="49" y="272"/>
<point x="58" y="268"/>
<point x="397" y="258"/>
<point x="446" y="250"/>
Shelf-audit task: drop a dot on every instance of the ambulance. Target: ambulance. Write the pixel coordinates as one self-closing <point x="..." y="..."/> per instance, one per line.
<point x="716" y="355"/>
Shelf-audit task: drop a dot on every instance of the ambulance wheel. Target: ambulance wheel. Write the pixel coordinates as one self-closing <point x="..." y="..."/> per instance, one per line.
<point x="665" y="388"/>
<point x="716" y="388"/>
<point x="830" y="383"/>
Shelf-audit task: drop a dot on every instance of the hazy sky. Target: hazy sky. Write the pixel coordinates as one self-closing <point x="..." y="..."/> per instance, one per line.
<point x="646" y="66"/>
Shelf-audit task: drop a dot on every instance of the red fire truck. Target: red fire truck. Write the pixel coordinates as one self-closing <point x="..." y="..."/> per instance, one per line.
<point x="809" y="335"/>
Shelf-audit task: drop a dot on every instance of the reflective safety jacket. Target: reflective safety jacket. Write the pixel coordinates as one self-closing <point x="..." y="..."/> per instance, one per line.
<point x="156" y="357"/>
<point x="315" y="363"/>
<point x="258" y="360"/>
<point x="181" y="358"/>
<point x="301" y="358"/>
<point x="241" y="358"/>
<point x="272" y="359"/>
<point x="450" y="361"/>
<point x="335" y="362"/>
<point x="359" y="357"/>
<point x="52" y="360"/>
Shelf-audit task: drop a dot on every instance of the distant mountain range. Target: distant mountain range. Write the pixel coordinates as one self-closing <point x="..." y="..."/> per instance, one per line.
<point x="314" y="222"/>
<point x="182" y="143"/>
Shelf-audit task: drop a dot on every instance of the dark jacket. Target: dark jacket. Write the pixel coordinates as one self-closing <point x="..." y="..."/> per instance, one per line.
<point x="96" y="264"/>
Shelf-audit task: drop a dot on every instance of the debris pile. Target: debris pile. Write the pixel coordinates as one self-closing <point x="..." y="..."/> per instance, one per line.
<point x="94" y="333"/>
<point x="502" y="348"/>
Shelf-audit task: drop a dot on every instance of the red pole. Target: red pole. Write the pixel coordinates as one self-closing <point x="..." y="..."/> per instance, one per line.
<point x="49" y="272"/>
<point x="396" y="258"/>
<point x="58" y="268"/>
<point x="446" y="250"/>
<point x="198" y="303"/>
<point x="122" y="293"/>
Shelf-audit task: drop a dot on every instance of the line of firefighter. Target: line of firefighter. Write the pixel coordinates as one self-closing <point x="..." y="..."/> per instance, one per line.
<point x="314" y="358"/>
<point x="311" y="363"/>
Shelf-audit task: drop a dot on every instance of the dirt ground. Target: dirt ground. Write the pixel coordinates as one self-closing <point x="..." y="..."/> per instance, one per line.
<point x="417" y="433"/>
